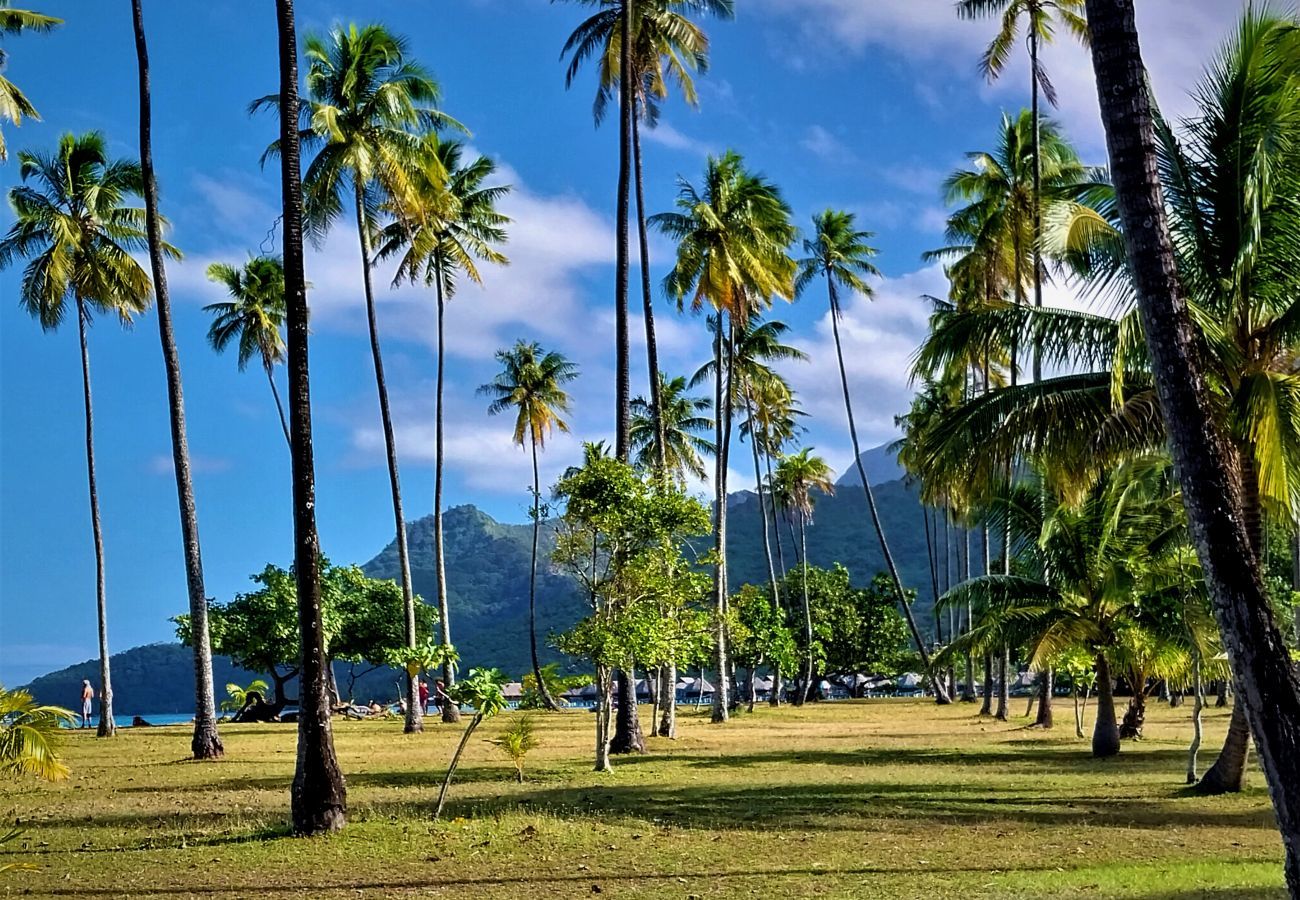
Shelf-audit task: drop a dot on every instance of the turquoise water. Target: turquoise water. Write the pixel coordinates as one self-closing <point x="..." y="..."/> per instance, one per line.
<point x="124" y="721"/>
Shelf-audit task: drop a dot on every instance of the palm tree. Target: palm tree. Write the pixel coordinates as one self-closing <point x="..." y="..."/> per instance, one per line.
<point x="532" y="382"/>
<point x="665" y="46"/>
<point x="1041" y="17"/>
<point x="797" y="476"/>
<point x="685" y="421"/>
<point x="1203" y="456"/>
<point x="72" y="227"/>
<point x="206" y="743"/>
<point x="839" y="252"/>
<point x="367" y="107"/>
<point x="252" y="319"/>
<point x="14" y="105"/>
<point x="30" y="737"/>
<point x="452" y="225"/>
<point x="318" y="795"/>
<point x="732" y="237"/>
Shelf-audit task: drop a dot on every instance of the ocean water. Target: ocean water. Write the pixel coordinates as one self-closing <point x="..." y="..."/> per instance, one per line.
<point x="124" y="719"/>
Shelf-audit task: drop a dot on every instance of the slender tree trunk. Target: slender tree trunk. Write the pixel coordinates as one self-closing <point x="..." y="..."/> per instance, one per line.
<point x="1038" y="190"/>
<point x="806" y="684"/>
<point x="774" y="698"/>
<point x="450" y="711"/>
<point x="1198" y="688"/>
<point x="647" y="302"/>
<point x="603" y="701"/>
<point x="1105" y="731"/>
<point x="719" y="528"/>
<point x="622" y="372"/>
<point x="206" y="743"/>
<point x="1228" y="774"/>
<point x="968" y="689"/>
<point x="668" y="689"/>
<point x="269" y="368"/>
<point x="1267" y="681"/>
<point x="1004" y="685"/>
<point x="107" y="726"/>
<point x="940" y="695"/>
<point x="1078" y="712"/>
<point x="986" y="705"/>
<point x="545" y="695"/>
<point x="455" y="761"/>
<point x="776" y="518"/>
<point x="319" y="795"/>
<point x="1045" y="679"/>
<point x="414" y="712"/>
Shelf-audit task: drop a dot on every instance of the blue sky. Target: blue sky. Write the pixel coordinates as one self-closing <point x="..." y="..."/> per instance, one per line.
<point x="859" y="104"/>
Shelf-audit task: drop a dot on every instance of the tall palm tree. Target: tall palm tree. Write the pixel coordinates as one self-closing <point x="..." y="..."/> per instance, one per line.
<point x="532" y="383"/>
<point x="252" y="318"/>
<point x="732" y="238"/>
<point x="684" y="420"/>
<point x="1203" y="456"/>
<point x="450" y="225"/>
<point x="797" y="476"/>
<point x="839" y="252"/>
<point x="318" y="795"/>
<point x="666" y="47"/>
<point x="72" y="226"/>
<point x="367" y="108"/>
<point x="14" y="105"/>
<point x="206" y="743"/>
<point x="1041" y="18"/>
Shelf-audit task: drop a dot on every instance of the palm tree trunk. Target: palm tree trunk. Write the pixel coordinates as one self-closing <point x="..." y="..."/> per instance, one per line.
<point x="1105" y="729"/>
<point x="547" y="700"/>
<point x="968" y="689"/>
<point x="455" y="761"/>
<point x="1045" y="679"/>
<point x="986" y="706"/>
<point x="622" y="352"/>
<point x="318" y="794"/>
<point x="450" y="710"/>
<point x="1004" y="684"/>
<point x="1198" y="689"/>
<point x="806" y="681"/>
<point x="668" y="691"/>
<point x="719" y="528"/>
<point x="279" y="407"/>
<point x="107" y="726"/>
<point x="1267" y="681"/>
<point x="776" y="519"/>
<point x="206" y="743"/>
<point x="627" y="724"/>
<point x="414" y="712"/>
<point x="1038" y="190"/>
<point x="647" y="301"/>
<point x="1228" y="774"/>
<point x="774" y="698"/>
<point x="940" y="695"/>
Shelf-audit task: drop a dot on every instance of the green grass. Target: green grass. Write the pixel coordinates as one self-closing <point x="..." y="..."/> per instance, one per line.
<point x="878" y="799"/>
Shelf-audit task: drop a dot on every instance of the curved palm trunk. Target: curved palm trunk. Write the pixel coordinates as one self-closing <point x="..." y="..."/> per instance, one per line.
<point x="1105" y="730"/>
<point x="414" y="710"/>
<point x="806" y="679"/>
<point x="647" y="301"/>
<point x="719" y="529"/>
<point x="205" y="744"/>
<point x="622" y="352"/>
<point x="318" y="795"/>
<point x="450" y="710"/>
<point x="107" y="727"/>
<point x="547" y="700"/>
<point x="1198" y="689"/>
<point x="776" y="517"/>
<point x="1228" y="774"/>
<point x="940" y="695"/>
<point x="279" y="407"/>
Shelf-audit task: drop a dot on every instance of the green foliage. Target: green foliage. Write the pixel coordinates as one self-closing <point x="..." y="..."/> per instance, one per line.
<point x="238" y="696"/>
<point x="555" y="683"/>
<point x="516" y="741"/>
<point x="30" y="737"/>
<point x="854" y="629"/>
<point x="759" y="632"/>
<point x="483" y="690"/>
<point x="428" y="655"/>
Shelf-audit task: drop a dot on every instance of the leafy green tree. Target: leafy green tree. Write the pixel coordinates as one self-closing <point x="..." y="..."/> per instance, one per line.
<point x="684" y="421"/>
<point x="854" y="629"/>
<point x="622" y="537"/>
<point x="760" y="635"/>
<point x="252" y="318"/>
<point x="368" y="107"/>
<point x="483" y="691"/>
<point x="14" y="105"/>
<point x="797" y="476"/>
<point x="77" y="235"/>
<point x="732" y="239"/>
<point x="446" y="226"/>
<point x="532" y="383"/>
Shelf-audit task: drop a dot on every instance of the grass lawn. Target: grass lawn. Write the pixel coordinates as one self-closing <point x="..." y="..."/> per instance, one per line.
<point x="872" y="799"/>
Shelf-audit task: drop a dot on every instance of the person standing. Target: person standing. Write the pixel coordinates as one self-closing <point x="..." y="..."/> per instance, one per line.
<point x="424" y="696"/>
<point x="87" y="702"/>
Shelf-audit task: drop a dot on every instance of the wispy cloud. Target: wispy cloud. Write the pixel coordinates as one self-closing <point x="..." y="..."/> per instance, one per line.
<point x="826" y="146"/>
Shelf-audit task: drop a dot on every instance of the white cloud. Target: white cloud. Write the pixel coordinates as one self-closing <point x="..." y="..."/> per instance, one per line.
<point x="665" y="135"/>
<point x="826" y="146"/>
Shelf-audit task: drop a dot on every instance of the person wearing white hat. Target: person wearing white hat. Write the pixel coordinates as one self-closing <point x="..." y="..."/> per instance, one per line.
<point x="87" y="700"/>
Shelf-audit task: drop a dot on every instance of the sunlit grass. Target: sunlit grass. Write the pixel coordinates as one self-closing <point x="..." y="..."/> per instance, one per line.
<point x="875" y="799"/>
